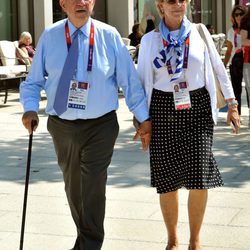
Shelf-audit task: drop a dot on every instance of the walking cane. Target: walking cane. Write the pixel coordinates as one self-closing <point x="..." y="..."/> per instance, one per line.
<point x="33" y="124"/>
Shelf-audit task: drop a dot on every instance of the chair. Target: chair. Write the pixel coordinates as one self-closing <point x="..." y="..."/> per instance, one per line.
<point x="10" y="64"/>
<point x="216" y="39"/>
<point x="131" y="50"/>
<point x="219" y="42"/>
<point x="126" y="41"/>
<point x="222" y="40"/>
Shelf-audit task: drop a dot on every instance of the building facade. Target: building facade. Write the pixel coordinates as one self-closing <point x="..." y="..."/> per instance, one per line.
<point x="34" y="15"/>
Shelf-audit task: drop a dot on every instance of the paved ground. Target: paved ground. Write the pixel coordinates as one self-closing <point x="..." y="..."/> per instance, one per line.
<point x="133" y="218"/>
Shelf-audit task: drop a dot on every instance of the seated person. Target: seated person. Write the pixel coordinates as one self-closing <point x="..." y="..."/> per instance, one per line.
<point x="24" y="44"/>
<point x="135" y="36"/>
<point x="150" y="23"/>
<point x="210" y="28"/>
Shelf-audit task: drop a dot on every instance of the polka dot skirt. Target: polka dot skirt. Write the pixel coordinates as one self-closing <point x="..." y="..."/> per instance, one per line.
<point x="181" y="145"/>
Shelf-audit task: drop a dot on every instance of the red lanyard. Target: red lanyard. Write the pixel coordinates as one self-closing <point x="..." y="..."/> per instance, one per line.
<point x="91" y="43"/>
<point x="235" y="37"/>
<point x="186" y="53"/>
<point x="67" y="35"/>
<point x="236" y="32"/>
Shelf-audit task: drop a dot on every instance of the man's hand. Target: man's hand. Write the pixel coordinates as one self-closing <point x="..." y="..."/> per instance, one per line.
<point x="27" y="118"/>
<point x="144" y="130"/>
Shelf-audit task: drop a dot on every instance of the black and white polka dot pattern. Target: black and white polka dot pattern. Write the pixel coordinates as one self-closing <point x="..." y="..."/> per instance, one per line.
<point x="181" y="145"/>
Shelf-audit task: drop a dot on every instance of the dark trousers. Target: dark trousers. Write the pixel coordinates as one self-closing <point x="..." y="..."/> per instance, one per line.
<point x="236" y="73"/>
<point x="84" y="149"/>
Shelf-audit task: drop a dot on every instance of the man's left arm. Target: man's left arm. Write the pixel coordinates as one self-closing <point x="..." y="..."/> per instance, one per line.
<point x="128" y="79"/>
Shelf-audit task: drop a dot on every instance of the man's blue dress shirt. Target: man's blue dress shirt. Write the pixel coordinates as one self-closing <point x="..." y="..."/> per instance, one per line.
<point x="112" y="68"/>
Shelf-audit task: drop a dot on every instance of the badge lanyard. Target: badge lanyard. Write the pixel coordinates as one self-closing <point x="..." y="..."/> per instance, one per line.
<point x="91" y="43"/>
<point x="78" y="92"/>
<point x="181" y="93"/>
<point x="235" y="39"/>
<point x="186" y="53"/>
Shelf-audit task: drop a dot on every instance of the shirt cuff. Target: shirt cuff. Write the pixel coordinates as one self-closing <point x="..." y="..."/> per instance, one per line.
<point x="30" y="106"/>
<point x="141" y="113"/>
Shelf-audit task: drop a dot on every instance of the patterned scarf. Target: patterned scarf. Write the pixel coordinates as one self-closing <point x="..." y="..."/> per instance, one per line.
<point x="174" y="46"/>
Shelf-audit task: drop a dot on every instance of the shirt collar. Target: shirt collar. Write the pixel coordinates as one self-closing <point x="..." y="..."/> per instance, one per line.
<point x="85" y="28"/>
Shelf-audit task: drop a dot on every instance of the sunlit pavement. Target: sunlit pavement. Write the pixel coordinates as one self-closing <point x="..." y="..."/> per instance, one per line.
<point x="133" y="218"/>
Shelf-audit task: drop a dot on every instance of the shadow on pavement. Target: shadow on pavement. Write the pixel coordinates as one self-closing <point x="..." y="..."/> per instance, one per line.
<point x="129" y="166"/>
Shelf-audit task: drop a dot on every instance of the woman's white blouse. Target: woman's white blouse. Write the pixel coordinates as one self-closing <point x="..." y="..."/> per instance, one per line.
<point x="198" y="74"/>
<point x="231" y="38"/>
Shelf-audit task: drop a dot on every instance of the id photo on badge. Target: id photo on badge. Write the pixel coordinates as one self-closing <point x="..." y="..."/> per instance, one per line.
<point x="73" y="86"/>
<point x="176" y="88"/>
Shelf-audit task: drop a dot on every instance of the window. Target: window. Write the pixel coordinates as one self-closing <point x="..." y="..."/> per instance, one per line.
<point x="8" y="17"/>
<point x="146" y="7"/>
<point x="203" y="11"/>
<point x="58" y="14"/>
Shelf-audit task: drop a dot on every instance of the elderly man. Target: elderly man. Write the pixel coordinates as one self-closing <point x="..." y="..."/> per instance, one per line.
<point x="83" y="123"/>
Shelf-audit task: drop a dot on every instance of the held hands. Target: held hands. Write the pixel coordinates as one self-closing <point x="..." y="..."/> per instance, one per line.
<point x="143" y="130"/>
<point x="233" y="116"/>
<point x="30" y="118"/>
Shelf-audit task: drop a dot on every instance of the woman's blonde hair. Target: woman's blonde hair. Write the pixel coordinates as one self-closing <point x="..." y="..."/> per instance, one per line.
<point x="23" y="36"/>
<point x="157" y="2"/>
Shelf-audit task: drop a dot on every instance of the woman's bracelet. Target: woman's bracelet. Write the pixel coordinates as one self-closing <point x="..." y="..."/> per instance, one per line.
<point x="233" y="103"/>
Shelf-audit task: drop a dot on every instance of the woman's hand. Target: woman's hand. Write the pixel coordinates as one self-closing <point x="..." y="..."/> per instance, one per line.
<point x="143" y="130"/>
<point x="233" y="116"/>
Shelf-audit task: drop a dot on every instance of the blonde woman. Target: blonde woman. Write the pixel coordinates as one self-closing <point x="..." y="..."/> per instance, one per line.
<point x="183" y="121"/>
<point x="25" y="42"/>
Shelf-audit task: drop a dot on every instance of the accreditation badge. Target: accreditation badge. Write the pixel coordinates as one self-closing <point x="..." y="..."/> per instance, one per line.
<point x="78" y="95"/>
<point x="181" y="95"/>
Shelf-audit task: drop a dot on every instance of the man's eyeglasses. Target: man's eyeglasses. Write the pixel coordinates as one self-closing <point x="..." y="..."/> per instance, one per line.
<point x="86" y="1"/>
<point x="174" y="1"/>
<point x="238" y="14"/>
